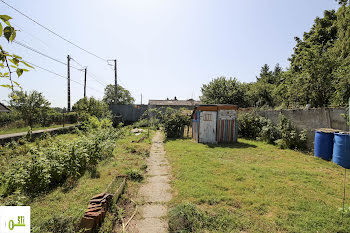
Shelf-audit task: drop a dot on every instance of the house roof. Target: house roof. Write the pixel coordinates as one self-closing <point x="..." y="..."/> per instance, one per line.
<point x="173" y="102"/>
<point x="3" y="108"/>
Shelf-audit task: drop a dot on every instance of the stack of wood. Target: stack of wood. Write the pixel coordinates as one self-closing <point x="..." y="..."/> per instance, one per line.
<point x="96" y="212"/>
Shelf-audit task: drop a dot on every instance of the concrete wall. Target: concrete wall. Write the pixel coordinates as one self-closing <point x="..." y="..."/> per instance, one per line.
<point x="310" y="119"/>
<point x="132" y="113"/>
<point x="128" y="113"/>
<point x="35" y="134"/>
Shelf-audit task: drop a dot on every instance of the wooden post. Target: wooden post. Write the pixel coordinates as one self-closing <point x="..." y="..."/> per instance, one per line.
<point x="68" y="82"/>
<point x="85" y="83"/>
<point x="116" y="82"/>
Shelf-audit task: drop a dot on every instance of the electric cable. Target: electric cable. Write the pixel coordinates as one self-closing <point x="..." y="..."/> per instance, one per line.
<point x="51" y="31"/>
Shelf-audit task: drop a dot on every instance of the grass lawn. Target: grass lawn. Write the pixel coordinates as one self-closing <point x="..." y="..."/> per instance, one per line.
<point x="5" y="130"/>
<point x="255" y="187"/>
<point x="61" y="208"/>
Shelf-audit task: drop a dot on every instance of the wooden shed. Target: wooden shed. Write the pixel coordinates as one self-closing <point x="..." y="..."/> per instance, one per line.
<point x="215" y="123"/>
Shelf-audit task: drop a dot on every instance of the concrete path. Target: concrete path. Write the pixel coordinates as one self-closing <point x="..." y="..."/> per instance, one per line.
<point x="154" y="193"/>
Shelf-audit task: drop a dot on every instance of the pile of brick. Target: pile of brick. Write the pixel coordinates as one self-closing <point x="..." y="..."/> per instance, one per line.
<point x="96" y="212"/>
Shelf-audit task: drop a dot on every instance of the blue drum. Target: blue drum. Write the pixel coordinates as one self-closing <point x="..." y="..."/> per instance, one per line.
<point x="324" y="145"/>
<point x="341" y="150"/>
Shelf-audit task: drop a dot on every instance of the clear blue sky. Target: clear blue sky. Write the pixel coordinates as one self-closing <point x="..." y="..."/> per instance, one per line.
<point x="164" y="48"/>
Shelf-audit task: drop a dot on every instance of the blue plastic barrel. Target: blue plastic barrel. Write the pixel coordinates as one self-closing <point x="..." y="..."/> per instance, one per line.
<point x="324" y="145"/>
<point x="341" y="150"/>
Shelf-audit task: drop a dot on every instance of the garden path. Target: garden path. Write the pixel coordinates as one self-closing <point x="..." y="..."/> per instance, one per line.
<point x="154" y="194"/>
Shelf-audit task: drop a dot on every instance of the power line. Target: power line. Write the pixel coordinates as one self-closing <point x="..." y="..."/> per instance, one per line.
<point x="90" y="74"/>
<point x="42" y="54"/>
<point x="78" y="63"/>
<point x="54" y="32"/>
<point x="22" y="30"/>
<point x="52" y="72"/>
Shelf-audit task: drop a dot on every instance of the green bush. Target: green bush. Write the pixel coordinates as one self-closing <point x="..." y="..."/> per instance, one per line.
<point x="174" y="122"/>
<point x="250" y="125"/>
<point x="134" y="175"/>
<point x="285" y="135"/>
<point x="269" y="133"/>
<point x="51" y="166"/>
<point x="71" y="117"/>
<point x="289" y="136"/>
<point x="7" y="118"/>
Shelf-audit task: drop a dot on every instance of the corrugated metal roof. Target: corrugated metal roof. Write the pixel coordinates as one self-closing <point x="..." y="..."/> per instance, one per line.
<point x="3" y="108"/>
<point x="173" y="102"/>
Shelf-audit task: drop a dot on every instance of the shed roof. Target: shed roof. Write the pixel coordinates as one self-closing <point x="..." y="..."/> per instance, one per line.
<point x="173" y="102"/>
<point x="216" y="107"/>
<point x="3" y="108"/>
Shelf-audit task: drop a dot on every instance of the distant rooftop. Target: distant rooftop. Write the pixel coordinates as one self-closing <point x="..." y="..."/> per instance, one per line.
<point x="3" y="108"/>
<point x="174" y="102"/>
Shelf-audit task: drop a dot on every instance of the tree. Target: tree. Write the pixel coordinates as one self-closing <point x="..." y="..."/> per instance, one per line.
<point x="224" y="90"/>
<point x="91" y="106"/>
<point x="342" y="2"/>
<point x="33" y="106"/>
<point x="124" y="96"/>
<point x="261" y="93"/>
<point x="9" y="63"/>
<point x="312" y="64"/>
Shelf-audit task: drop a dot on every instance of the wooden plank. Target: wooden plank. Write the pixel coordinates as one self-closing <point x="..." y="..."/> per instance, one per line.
<point x="227" y="107"/>
<point x="207" y="108"/>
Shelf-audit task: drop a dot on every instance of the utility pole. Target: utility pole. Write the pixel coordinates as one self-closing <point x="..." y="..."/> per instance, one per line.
<point x="141" y="98"/>
<point x="68" y="79"/>
<point x="85" y="82"/>
<point x="116" y="83"/>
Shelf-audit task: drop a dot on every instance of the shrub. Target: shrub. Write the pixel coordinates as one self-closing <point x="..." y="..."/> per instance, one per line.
<point x="250" y="125"/>
<point x="174" y="122"/>
<point x="285" y="135"/>
<point x="269" y="133"/>
<point x="134" y="175"/>
<point x="9" y="117"/>
<point x="152" y="117"/>
<point x="71" y="117"/>
<point x="52" y="165"/>
<point x="289" y="136"/>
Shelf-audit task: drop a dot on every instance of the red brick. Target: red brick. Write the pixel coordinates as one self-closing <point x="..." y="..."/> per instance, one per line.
<point x="98" y="196"/>
<point x="88" y="224"/>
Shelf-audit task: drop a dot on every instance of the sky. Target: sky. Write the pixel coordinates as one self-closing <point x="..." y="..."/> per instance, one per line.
<point x="164" y="48"/>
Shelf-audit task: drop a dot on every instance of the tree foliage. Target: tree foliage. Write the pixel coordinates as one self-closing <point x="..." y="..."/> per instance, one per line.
<point x="33" y="106"/>
<point x="91" y="106"/>
<point x="124" y="96"/>
<point x="223" y="90"/>
<point x="319" y="72"/>
<point x="10" y="63"/>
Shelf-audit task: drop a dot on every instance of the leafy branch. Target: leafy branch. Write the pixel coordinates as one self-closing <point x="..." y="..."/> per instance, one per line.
<point x="8" y="61"/>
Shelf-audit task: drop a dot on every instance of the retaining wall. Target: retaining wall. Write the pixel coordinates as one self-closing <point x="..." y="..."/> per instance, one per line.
<point x="16" y="136"/>
<point x="310" y="119"/>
